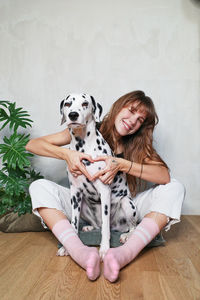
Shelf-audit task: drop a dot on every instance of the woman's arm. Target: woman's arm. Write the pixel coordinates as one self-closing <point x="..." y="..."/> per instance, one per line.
<point x="150" y="171"/>
<point x="50" y="146"/>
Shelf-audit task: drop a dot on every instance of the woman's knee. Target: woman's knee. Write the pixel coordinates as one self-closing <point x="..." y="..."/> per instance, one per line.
<point x="159" y="218"/>
<point x="37" y="185"/>
<point x="178" y="188"/>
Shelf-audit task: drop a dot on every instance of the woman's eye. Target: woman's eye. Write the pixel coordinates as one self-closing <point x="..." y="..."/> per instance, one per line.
<point x="132" y="110"/>
<point x="141" y="120"/>
<point x="85" y="104"/>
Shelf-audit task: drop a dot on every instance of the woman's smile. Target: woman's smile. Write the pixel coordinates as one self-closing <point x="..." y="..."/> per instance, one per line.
<point x="126" y="125"/>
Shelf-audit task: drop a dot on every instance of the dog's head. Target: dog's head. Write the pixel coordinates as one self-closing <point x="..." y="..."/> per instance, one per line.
<point x="78" y="109"/>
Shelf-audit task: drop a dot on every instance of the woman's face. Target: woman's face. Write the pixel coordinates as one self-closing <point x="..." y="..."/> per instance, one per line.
<point x="129" y="119"/>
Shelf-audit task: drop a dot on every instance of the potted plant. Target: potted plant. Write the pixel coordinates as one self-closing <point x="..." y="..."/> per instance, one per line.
<point x="16" y="172"/>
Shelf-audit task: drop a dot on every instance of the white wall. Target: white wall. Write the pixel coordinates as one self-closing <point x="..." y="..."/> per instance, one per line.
<point x="49" y="48"/>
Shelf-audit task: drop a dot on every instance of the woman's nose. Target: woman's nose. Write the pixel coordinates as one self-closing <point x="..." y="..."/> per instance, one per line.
<point x="133" y="119"/>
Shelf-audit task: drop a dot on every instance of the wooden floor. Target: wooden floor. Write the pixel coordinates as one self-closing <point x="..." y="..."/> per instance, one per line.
<point x="29" y="269"/>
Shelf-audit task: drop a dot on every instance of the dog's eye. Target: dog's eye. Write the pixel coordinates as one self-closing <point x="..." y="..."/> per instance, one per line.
<point x="68" y="104"/>
<point x="85" y="104"/>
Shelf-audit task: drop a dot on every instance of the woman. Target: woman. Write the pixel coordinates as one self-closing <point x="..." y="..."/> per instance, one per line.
<point x="128" y="128"/>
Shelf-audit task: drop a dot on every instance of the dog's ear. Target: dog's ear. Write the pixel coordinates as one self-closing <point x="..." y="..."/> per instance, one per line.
<point x="62" y="112"/>
<point x="97" y="109"/>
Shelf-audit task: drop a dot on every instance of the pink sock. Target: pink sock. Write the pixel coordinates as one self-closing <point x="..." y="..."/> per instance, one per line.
<point x="87" y="257"/>
<point x="117" y="258"/>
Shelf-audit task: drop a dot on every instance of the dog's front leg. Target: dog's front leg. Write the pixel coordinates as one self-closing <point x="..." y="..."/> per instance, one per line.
<point x="76" y="200"/>
<point x="105" y="211"/>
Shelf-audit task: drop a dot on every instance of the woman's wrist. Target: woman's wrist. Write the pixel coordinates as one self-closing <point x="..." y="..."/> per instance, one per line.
<point x="125" y="165"/>
<point x="65" y="153"/>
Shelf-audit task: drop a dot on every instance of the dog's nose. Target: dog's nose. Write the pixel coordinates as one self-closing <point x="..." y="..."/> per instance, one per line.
<point x="73" y="116"/>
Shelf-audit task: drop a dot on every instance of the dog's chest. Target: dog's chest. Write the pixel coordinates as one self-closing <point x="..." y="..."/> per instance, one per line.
<point x="93" y="143"/>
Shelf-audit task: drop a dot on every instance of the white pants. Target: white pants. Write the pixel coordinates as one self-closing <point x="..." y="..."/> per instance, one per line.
<point x="165" y="199"/>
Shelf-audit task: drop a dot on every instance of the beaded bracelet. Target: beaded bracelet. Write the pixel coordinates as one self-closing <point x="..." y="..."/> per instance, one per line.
<point x="130" y="167"/>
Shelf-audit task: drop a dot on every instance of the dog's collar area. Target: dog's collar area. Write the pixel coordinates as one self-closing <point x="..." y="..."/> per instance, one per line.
<point x="79" y="131"/>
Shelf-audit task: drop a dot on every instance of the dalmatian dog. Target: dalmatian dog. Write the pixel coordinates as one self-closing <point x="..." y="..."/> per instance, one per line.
<point x="102" y="206"/>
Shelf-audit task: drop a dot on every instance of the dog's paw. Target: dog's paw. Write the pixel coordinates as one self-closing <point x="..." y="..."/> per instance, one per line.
<point x="102" y="251"/>
<point x="87" y="228"/>
<point x="125" y="236"/>
<point x="62" y="252"/>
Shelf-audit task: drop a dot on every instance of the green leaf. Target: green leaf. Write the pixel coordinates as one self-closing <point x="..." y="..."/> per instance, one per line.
<point x="13" y="151"/>
<point x="4" y="103"/>
<point x="17" y="116"/>
<point x="33" y="175"/>
<point x="13" y="185"/>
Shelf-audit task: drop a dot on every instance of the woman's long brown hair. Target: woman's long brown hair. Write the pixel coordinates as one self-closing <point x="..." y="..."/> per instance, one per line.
<point x="137" y="147"/>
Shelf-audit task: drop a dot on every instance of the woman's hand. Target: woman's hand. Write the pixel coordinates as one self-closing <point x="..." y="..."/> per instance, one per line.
<point x="108" y="173"/>
<point x="75" y="165"/>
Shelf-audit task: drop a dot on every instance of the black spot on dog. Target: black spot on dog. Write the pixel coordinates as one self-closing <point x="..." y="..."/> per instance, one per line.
<point x="105" y="151"/>
<point x="115" y="179"/>
<point x="67" y="97"/>
<point x="75" y="202"/>
<point x="98" y="141"/>
<point x="97" y="133"/>
<point x="120" y="180"/>
<point x="75" y="223"/>
<point x="121" y="193"/>
<point x="91" y="199"/>
<point x="125" y="193"/>
<point x="77" y="147"/>
<point x="94" y="104"/>
<point x="88" y="133"/>
<point x="99" y="147"/>
<point x="94" y="208"/>
<point x="106" y="210"/>
<point x="122" y="221"/>
<point x="132" y="205"/>
<point x="83" y="96"/>
<point x="80" y="143"/>
<point x="100" y="109"/>
<point x="114" y="191"/>
<point x="90" y="192"/>
<point x="86" y="162"/>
